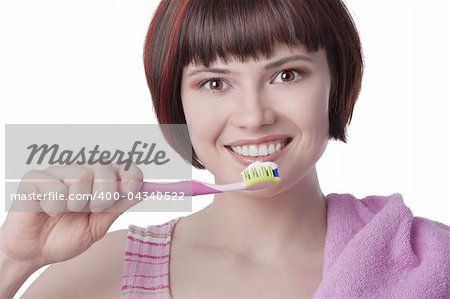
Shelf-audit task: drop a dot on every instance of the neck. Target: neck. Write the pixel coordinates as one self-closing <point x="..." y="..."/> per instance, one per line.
<point x="293" y="219"/>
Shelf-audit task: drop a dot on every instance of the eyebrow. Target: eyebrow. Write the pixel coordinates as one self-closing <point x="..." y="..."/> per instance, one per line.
<point x="270" y="65"/>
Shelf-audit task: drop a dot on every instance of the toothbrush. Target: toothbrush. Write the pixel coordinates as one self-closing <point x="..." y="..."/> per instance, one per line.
<point x="257" y="175"/>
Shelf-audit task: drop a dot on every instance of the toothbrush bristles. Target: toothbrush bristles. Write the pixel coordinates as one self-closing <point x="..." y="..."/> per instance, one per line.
<point x="260" y="174"/>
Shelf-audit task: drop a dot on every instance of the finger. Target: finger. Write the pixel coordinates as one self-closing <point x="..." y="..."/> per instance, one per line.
<point x="79" y="183"/>
<point x="130" y="177"/>
<point x="53" y="191"/>
<point x="104" y="187"/>
<point x="101" y="222"/>
<point x="27" y="186"/>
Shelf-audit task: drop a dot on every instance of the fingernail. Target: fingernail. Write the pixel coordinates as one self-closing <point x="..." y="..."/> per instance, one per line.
<point x="96" y="210"/>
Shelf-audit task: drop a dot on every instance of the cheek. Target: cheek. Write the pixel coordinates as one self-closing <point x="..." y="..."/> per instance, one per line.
<point x="205" y="125"/>
<point x="307" y="108"/>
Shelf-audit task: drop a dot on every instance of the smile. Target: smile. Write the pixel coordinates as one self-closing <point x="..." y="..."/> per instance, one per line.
<point x="270" y="150"/>
<point x="259" y="150"/>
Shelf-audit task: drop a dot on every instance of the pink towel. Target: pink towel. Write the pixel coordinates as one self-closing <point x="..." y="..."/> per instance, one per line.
<point x="376" y="248"/>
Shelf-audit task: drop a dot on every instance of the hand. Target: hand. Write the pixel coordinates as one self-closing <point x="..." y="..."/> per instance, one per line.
<point x="58" y="230"/>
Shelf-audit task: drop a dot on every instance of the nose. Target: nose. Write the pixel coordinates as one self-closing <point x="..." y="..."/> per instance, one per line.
<point x="253" y="111"/>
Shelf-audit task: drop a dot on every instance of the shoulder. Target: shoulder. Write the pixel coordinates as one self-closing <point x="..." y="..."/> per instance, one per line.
<point x="365" y="207"/>
<point x="407" y="255"/>
<point x="96" y="273"/>
<point x="383" y="220"/>
<point x="382" y="211"/>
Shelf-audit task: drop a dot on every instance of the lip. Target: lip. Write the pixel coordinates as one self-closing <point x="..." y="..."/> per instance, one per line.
<point x="246" y="160"/>
<point x="280" y="137"/>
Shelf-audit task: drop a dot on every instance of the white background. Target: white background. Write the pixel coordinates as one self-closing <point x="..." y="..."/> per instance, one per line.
<point x="81" y="62"/>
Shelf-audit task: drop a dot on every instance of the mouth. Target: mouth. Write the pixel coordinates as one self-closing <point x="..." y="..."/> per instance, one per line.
<point x="260" y="150"/>
<point x="266" y="151"/>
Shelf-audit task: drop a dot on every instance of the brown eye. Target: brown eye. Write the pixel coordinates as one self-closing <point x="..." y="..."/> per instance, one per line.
<point x="287" y="76"/>
<point x="215" y="84"/>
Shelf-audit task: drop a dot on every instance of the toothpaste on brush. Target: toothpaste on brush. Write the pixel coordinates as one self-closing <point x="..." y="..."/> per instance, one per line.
<point x="260" y="174"/>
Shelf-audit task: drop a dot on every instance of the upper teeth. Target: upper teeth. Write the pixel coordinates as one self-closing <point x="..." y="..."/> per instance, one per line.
<point x="254" y="150"/>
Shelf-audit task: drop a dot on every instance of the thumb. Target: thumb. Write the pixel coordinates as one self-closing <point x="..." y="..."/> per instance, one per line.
<point x="101" y="222"/>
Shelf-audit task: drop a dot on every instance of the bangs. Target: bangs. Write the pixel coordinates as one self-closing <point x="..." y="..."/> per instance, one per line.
<point x="245" y="30"/>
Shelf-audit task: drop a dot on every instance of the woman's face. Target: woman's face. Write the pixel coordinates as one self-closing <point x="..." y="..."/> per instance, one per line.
<point x="275" y="109"/>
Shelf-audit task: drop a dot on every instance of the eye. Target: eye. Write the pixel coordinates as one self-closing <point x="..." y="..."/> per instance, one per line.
<point x="213" y="85"/>
<point x="288" y="76"/>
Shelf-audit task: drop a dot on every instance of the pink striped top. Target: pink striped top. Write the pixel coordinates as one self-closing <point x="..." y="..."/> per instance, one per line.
<point x="146" y="269"/>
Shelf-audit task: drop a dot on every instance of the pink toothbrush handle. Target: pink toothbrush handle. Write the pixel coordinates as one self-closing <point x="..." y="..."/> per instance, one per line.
<point x="193" y="187"/>
<point x="188" y="188"/>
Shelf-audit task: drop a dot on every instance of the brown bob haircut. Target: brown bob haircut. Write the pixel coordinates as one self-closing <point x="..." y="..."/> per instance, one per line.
<point x="201" y="31"/>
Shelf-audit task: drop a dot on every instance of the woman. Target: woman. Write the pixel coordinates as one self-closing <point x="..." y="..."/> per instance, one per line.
<point x="244" y="74"/>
